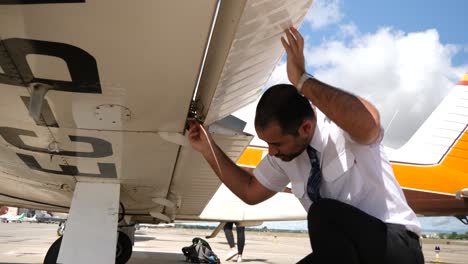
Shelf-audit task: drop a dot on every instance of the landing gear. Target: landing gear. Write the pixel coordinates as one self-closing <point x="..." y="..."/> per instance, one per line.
<point x="61" y="229"/>
<point x="91" y="232"/>
<point x="463" y="218"/>
<point x="123" y="251"/>
<point x="52" y="253"/>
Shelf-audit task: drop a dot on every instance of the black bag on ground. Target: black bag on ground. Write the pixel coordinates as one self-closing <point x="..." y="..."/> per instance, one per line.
<point x="200" y="252"/>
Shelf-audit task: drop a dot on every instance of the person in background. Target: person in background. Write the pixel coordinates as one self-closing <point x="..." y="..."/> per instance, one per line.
<point x="3" y="210"/>
<point x="234" y="254"/>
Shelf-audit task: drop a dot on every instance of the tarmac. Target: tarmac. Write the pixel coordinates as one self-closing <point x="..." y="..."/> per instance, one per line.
<point x="28" y="243"/>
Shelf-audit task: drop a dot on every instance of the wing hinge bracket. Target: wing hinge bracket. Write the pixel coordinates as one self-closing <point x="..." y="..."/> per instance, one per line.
<point x="174" y="137"/>
<point x="38" y="92"/>
<point x="461" y="194"/>
<point x="196" y="111"/>
<point x="171" y="207"/>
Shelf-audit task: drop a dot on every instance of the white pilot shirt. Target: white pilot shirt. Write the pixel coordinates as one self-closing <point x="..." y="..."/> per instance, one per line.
<point x="356" y="174"/>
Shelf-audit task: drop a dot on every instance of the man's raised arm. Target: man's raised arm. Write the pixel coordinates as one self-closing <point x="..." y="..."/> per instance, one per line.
<point x="359" y="118"/>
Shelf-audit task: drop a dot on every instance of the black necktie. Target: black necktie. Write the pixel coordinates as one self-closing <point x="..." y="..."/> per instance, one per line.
<point x="315" y="175"/>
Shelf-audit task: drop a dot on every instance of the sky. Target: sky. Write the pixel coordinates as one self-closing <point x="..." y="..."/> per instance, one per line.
<point x="403" y="56"/>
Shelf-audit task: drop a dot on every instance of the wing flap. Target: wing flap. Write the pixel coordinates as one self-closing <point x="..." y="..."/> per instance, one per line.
<point x="244" y="50"/>
<point x="194" y="182"/>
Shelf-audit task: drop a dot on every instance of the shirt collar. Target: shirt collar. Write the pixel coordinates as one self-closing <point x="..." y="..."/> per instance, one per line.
<point x="316" y="141"/>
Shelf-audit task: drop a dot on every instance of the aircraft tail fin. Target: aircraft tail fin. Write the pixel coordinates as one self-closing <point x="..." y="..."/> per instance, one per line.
<point x="464" y="80"/>
<point x="457" y="154"/>
<point x="443" y="138"/>
<point x="432" y="169"/>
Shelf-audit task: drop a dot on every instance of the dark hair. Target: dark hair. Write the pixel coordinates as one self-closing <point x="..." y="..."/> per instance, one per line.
<point x="283" y="104"/>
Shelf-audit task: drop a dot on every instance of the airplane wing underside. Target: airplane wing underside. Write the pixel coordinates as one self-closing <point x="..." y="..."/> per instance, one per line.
<point x="99" y="91"/>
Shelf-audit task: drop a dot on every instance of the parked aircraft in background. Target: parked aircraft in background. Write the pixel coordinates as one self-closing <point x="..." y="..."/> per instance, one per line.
<point x="49" y="219"/>
<point x="9" y="218"/>
<point x="30" y="219"/>
<point x="432" y="167"/>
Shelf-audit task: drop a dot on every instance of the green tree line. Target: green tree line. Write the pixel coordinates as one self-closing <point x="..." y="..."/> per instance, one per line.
<point x="452" y="235"/>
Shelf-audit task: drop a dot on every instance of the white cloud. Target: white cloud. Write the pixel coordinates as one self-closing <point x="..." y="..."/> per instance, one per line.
<point x="324" y="13"/>
<point x="442" y="224"/>
<point x="349" y="30"/>
<point x="406" y="74"/>
<point x="438" y="221"/>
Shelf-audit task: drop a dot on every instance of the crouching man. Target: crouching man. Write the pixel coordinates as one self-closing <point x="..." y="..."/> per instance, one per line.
<point x="332" y="154"/>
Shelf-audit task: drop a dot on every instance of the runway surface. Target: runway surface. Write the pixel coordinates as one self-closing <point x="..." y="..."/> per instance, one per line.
<point x="28" y="243"/>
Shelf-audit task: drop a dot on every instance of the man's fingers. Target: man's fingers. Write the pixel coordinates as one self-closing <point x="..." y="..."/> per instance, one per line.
<point x="193" y="129"/>
<point x="299" y="38"/>
<point x="190" y="125"/>
<point x="194" y="126"/>
<point x="194" y="134"/>
<point x="292" y="41"/>
<point x="285" y="45"/>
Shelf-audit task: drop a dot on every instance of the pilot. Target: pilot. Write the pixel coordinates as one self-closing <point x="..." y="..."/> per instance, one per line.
<point x="327" y="143"/>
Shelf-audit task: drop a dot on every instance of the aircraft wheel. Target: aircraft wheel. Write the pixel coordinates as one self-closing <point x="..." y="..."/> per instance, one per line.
<point x="60" y="231"/>
<point x="53" y="252"/>
<point x="124" y="248"/>
<point x="123" y="252"/>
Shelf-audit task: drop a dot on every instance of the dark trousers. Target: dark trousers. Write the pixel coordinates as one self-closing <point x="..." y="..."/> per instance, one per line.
<point x="340" y="233"/>
<point x="240" y="236"/>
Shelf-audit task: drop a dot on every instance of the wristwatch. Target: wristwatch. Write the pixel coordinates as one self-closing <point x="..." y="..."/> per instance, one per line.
<point x="305" y="76"/>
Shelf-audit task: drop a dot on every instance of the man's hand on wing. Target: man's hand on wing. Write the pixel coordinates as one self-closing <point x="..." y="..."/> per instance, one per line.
<point x="240" y="182"/>
<point x="197" y="137"/>
<point x="294" y="47"/>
